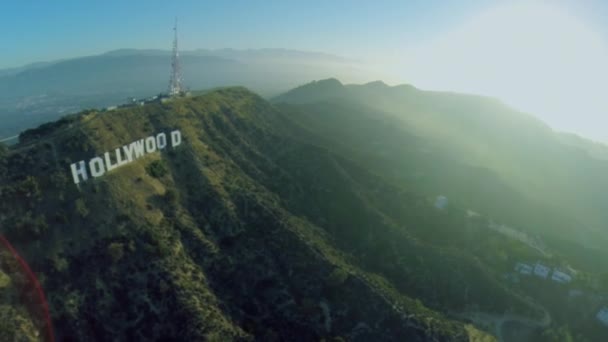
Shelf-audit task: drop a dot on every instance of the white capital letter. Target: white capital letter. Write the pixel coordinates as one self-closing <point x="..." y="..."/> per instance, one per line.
<point x="129" y="149"/>
<point x="96" y="166"/>
<point x="150" y="144"/>
<point x="109" y="165"/>
<point x="138" y="147"/>
<point x="81" y="169"/>
<point x="119" y="160"/>
<point x="176" y="138"/>
<point x="161" y="141"/>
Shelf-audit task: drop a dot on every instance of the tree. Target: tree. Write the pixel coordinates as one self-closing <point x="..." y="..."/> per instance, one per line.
<point x="15" y="327"/>
<point x="116" y="250"/>
<point x="81" y="208"/>
<point x="337" y="277"/>
<point x="157" y="169"/>
<point x="27" y="227"/>
<point x="561" y="334"/>
<point x="29" y="188"/>
<point x="171" y="197"/>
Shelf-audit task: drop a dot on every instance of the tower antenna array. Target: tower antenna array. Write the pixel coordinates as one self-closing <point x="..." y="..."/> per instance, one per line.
<point x="175" y="82"/>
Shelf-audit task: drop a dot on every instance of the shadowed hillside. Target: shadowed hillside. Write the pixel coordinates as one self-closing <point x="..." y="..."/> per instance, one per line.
<point x="488" y="157"/>
<point x="242" y="232"/>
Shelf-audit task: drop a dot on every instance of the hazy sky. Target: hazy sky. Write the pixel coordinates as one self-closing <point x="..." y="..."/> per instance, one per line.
<point x="42" y="30"/>
<point x="549" y="58"/>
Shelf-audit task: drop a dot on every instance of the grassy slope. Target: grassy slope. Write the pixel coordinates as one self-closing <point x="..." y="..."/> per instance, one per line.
<point x="477" y="151"/>
<point x="250" y="234"/>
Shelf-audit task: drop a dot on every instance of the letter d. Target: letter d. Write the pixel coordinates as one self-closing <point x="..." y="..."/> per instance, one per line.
<point x="176" y="138"/>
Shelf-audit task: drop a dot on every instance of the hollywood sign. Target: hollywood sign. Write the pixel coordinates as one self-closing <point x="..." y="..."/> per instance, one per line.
<point x="99" y="165"/>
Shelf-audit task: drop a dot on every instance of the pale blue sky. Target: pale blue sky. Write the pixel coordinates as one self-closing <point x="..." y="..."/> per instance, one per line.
<point x="45" y="30"/>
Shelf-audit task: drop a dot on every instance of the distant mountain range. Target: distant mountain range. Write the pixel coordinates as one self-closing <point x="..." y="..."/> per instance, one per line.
<point x="40" y="92"/>
<point x="14" y="71"/>
<point x="263" y="55"/>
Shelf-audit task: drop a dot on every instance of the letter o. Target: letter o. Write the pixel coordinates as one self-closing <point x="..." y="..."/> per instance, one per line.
<point x="96" y="165"/>
<point x="150" y="144"/>
<point x="161" y="141"/>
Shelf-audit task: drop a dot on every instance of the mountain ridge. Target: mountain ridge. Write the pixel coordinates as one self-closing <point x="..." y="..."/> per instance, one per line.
<point x="35" y="95"/>
<point x="200" y="52"/>
<point x="477" y="133"/>
<point x="299" y="221"/>
<point x="233" y="184"/>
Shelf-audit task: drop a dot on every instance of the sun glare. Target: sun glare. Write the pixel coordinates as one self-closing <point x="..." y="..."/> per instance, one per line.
<point x="538" y="58"/>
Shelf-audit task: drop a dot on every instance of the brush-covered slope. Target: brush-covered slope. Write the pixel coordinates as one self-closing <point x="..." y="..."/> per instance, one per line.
<point x="243" y="232"/>
<point x="476" y="150"/>
<point x="18" y="322"/>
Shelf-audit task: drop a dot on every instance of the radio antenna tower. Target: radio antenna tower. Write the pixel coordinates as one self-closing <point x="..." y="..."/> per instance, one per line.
<point x="175" y="82"/>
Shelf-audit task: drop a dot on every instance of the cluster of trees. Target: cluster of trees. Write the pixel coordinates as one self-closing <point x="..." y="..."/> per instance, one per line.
<point x="559" y="334"/>
<point x="157" y="169"/>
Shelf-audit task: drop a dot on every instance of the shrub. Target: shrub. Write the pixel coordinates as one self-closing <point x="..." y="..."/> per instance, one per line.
<point x="157" y="169"/>
<point x="81" y="208"/>
<point x="171" y="197"/>
<point x="337" y="277"/>
<point x="116" y="250"/>
<point x="29" y="188"/>
<point x="26" y="227"/>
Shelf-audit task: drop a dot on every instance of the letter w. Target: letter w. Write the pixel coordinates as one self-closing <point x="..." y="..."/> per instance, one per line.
<point x="134" y="150"/>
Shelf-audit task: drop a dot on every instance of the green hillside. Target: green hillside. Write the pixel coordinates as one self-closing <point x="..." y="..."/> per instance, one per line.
<point x="309" y="219"/>
<point x="545" y="189"/>
<point x="243" y="232"/>
<point x="479" y="152"/>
